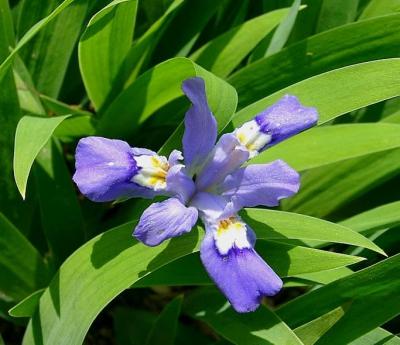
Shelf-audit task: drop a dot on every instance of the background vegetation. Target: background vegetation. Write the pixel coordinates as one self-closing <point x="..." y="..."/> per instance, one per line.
<point x="70" y="272"/>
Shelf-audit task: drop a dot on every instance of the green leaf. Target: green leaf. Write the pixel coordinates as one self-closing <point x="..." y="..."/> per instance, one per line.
<point x="47" y="56"/>
<point x="328" y="188"/>
<point x="377" y="336"/>
<point x="224" y="53"/>
<point x="381" y="217"/>
<point x="149" y="93"/>
<point x="109" y="263"/>
<point x="28" y="147"/>
<point x="373" y="286"/>
<point x="339" y="47"/>
<point x="165" y="327"/>
<point x="105" y="266"/>
<point x="261" y="327"/>
<point x="285" y="259"/>
<point x="279" y="225"/>
<point x="282" y="33"/>
<point x="30" y="34"/>
<point x="336" y="13"/>
<point x="22" y="269"/>
<point x="64" y="230"/>
<point x="356" y="86"/>
<point x="330" y="144"/>
<point x="141" y="51"/>
<point x="377" y="8"/>
<point x="27" y="306"/>
<point x="103" y="48"/>
<point x="313" y="330"/>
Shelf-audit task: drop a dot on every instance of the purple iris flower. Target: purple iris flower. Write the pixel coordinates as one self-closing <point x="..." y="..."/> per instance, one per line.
<point x="206" y="182"/>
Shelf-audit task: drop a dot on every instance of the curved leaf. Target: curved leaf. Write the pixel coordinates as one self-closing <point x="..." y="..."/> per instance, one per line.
<point x="329" y="144"/>
<point x="339" y="47"/>
<point x="28" y="147"/>
<point x="103" y="47"/>
<point x="271" y="225"/>
<point x="157" y="87"/>
<point x="355" y="86"/>
<point x="224" y="53"/>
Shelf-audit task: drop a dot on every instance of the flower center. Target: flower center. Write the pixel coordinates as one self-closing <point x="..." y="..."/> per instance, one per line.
<point x="152" y="172"/>
<point x="231" y="233"/>
<point x="251" y="137"/>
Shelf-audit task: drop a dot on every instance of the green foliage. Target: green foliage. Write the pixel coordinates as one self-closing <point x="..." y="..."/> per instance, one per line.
<point x="75" y="68"/>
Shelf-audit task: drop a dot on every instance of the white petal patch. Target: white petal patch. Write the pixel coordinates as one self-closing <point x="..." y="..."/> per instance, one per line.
<point x="231" y="233"/>
<point x="153" y="172"/>
<point x="251" y="137"/>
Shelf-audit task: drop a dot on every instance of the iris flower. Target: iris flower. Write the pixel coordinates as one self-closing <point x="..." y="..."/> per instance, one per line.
<point x="208" y="182"/>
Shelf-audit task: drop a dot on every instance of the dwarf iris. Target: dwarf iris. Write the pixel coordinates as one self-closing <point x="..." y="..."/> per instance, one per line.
<point x="109" y="169"/>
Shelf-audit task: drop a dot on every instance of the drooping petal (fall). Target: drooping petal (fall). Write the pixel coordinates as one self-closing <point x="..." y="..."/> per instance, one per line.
<point x="260" y="184"/>
<point x="235" y="267"/>
<point x="200" y="125"/>
<point x="105" y="168"/>
<point x="164" y="220"/>
<point x="278" y="122"/>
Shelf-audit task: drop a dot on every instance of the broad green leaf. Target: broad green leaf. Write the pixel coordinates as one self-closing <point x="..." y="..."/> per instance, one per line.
<point x="61" y="217"/>
<point x="223" y="54"/>
<point x="22" y="269"/>
<point x="47" y="56"/>
<point x="11" y="205"/>
<point x="261" y="327"/>
<point x="339" y="47"/>
<point x="285" y="259"/>
<point x="372" y="286"/>
<point x="279" y="225"/>
<point x="326" y="277"/>
<point x="27" y="94"/>
<point x="27" y="306"/>
<point x="30" y="34"/>
<point x="356" y="86"/>
<point x="103" y="48"/>
<point x="141" y="51"/>
<point x="105" y="266"/>
<point x="336" y="13"/>
<point x="110" y="263"/>
<point x="7" y="23"/>
<point x="282" y="33"/>
<point x="381" y="217"/>
<point x="190" y="20"/>
<point x="330" y="187"/>
<point x="330" y="144"/>
<point x="313" y="330"/>
<point x="165" y="327"/>
<point x="28" y="147"/>
<point x="377" y="8"/>
<point x="377" y="336"/>
<point x="149" y="93"/>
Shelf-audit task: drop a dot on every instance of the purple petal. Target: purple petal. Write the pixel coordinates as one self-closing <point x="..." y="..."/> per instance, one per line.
<point x="261" y="184"/>
<point x="163" y="220"/>
<point x="104" y="168"/>
<point x="242" y="275"/>
<point x="227" y="156"/>
<point x="286" y="118"/>
<point x="200" y="125"/>
<point x="179" y="184"/>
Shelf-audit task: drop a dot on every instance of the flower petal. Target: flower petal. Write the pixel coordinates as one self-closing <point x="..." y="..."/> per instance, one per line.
<point x="104" y="168"/>
<point x="261" y="184"/>
<point x="200" y="125"/>
<point x="242" y="275"/>
<point x="227" y="156"/>
<point x="286" y="118"/>
<point x="163" y="220"/>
